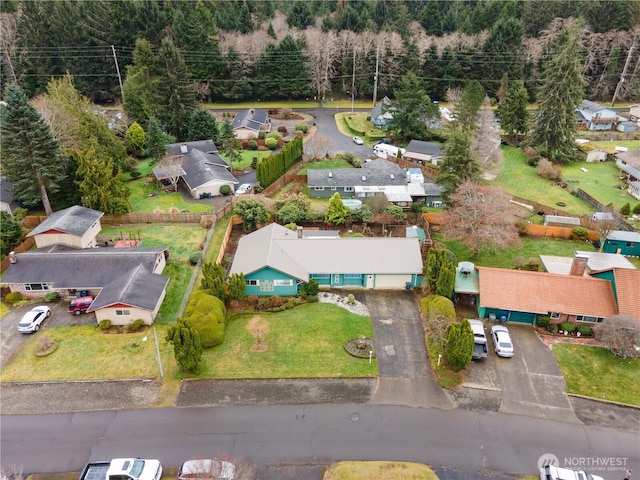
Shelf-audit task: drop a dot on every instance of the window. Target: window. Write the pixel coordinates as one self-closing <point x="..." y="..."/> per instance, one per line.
<point x="282" y="283"/>
<point x="33" y="287"/>
<point x="348" y="189"/>
<point x="321" y="276"/>
<point x="333" y="189"/>
<point x="266" y="286"/>
<point x="336" y="278"/>
<point x="123" y="313"/>
<point x="352" y="275"/>
<point x="252" y="283"/>
<point x="554" y="315"/>
<point x="587" y="318"/>
<point x="318" y="189"/>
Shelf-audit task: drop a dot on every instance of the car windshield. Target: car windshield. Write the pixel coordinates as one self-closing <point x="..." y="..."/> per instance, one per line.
<point x="25" y="323"/>
<point x="505" y="345"/>
<point x="136" y="469"/>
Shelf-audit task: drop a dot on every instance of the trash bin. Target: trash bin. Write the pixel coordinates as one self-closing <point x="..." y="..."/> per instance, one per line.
<point x="492" y="318"/>
<point x="407" y="286"/>
<point x="503" y="319"/>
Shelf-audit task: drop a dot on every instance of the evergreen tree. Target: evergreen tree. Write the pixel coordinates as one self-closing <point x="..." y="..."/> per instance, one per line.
<point x="283" y="68"/>
<point x="139" y="87"/>
<point x="560" y="91"/>
<point x="459" y="160"/>
<point x="186" y="345"/>
<point x="514" y="118"/>
<point x="237" y="287"/>
<point x="10" y="233"/>
<point x="412" y="111"/>
<point x="239" y="74"/>
<point x="135" y="139"/>
<point x="177" y="94"/>
<point x="213" y="276"/>
<point x="431" y="18"/>
<point x="100" y="185"/>
<point x="157" y="139"/>
<point x="202" y="126"/>
<point x="446" y="280"/>
<point x="229" y="144"/>
<point x="30" y="155"/>
<point x="336" y="213"/>
<point x="504" y="42"/>
<point x="252" y="212"/>
<point x="466" y="108"/>
<point x="459" y="345"/>
<point x="300" y="15"/>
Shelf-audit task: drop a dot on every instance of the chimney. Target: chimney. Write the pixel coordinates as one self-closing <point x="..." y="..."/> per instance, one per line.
<point x="12" y="257"/>
<point x="299" y="231"/>
<point x="579" y="265"/>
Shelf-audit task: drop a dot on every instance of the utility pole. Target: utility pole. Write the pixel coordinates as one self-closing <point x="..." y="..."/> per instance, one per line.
<point x="353" y="77"/>
<point x="624" y="72"/>
<point x="375" y="78"/>
<point x="115" y="59"/>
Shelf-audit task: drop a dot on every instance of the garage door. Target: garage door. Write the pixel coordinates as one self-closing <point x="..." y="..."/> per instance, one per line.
<point x="521" y="317"/>
<point x="391" y="281"/>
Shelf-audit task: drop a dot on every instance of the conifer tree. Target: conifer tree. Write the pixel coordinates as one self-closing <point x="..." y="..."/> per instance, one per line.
<point x="30" y="154"/>
<point x="202" y="126"/>
<point x="187" y="348"/>
<point x="237" y="287"/>
<point x="336" y="213"/>
<point x="459" y="344"/>
<point x="157" y="139"/>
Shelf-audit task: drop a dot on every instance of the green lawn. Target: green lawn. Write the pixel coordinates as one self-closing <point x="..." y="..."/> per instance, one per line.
<point x="334" y="163"/>
<point x="598" y="373"/>
<point x="518" y="178"/>
<point x="145" y="167"/>
<point x="359" y="121"/>
<point x="610" y="146"/>
<point x="247" y="158"/>
<point x="600" y="181"/>
<point x="531" y="247"/>
<point x="181" y="240"/>
<point x="160" y="201"/>
<point x="306" y="341"/>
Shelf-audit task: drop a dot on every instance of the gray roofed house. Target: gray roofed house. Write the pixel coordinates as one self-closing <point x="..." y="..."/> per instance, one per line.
<point x="597" y="117"/>
<point x="629" y="163"/>
<point x="380" y="114"/>
<point x="204" y="170"/>
<point x="276" y="261"/>
<point x="634" y="190"/>
<point x="75" y="227"/>
<point x="7" y="203"/>
<point x="248" y="123"/>
<point x="423" y="152"/>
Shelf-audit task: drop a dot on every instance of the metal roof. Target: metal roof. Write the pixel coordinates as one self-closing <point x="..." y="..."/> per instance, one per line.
<point x="624" y="236"/>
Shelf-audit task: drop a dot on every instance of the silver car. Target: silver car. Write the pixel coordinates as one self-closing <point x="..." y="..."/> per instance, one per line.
<point x="31" y="321"/>
<point x="502" y="341"/>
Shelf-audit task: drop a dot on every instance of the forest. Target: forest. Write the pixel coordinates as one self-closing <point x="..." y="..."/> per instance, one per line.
<point x="239" y="50"/>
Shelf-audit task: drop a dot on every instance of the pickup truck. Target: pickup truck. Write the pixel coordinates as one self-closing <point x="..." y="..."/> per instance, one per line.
<point x="551" y="472"/>
<point x="480" y="351"/>
<point x="122" y="469"/>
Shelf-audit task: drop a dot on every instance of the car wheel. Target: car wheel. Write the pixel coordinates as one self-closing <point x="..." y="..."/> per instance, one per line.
<point x="37" y="328"/>
<point x="48" y="313"/>
<point x="77" y="312"/>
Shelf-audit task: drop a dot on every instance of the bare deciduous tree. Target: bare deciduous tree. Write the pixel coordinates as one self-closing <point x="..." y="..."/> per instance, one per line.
<point x="317" y="146"/>
<point x="546" y="169"/>
<point x="620" y="334"/>
<point x="487" y="141"/>
<point x="171" y="168"/>
<point x="64" y="125"/>
<point x="322" y="53"/>
<point x="8" y="40"/>
<point x="482" y="217"/>
<point x="605" y="227"/>
<point x="259" y="328"/>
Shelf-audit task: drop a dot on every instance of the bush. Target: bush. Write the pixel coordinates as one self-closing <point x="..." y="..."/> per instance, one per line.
<point x="568" y="327"/>
<point x="584" y="330"/>
<point x="554" y="328"/>
<point x="580" y="231"/>
<point x="194" y="257"/>
<point x="546" y="169"/>
<point x="104" y="324"/>
<point x="51" y="297"/>
<point x="351" y="299"/>
<point x="435" y="306"/>
<point x="310" y="289"/>
<point x="302" y="127"/>
<point x="271" y="143"/>
<point x="225" y="190"/>
<point x="135" y="174"/>
<point x="543" y="321"/>
<point x="261" y="135"/>
<point x="135" y="325"/>
<point x="257" y="188"/>
<point x="276" y="135"/>
<point x="252" y="145"/>
<point x="207" y="315"/>
<point x="282" y="129"/>
<point x="13" y="298"/>
<point x="636" y="209"/>
<point x="254" y="163"/>
<point x="626" y="209"/>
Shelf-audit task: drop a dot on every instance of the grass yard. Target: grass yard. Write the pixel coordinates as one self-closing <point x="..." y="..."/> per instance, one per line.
<point x="598" y="373"/>
<point x="182" y="241"/>
<point x="352" y="470"/>
<point x="160" y="201"/>
<point x="145" y="167"/>
<point x="600" y="181"/>
<point x="4" y="309"/>
<point x="518" y="178"/>
<point x="85" y="353"/>
<point x="247" y="158"/>
<point x="610" y="146"/>
<point x="328" y="163"/>
<point x="303" y="342"/>
<point x="359" y="121"/>
<point x="531" y="247"/>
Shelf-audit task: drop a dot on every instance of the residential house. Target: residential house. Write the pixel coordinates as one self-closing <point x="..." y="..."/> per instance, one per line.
<point x="247" y="124"/>
<point x="75" y="227"/>
<point x="594" y="262"/>
<point x="278" y="261"/>
<point x="433" y="195"/>
<point x="634" y="113"/>
<point x="423" y="152"/>
<point x="521" y="296"/>
<point x="634" y="190"/>
<point x="126" y="282"/>
<point x="7" y="203"/>
<point x="629" y="162"/>
<point x="624" y="243"/>
<point x="593" y="116"/>
<point x="202" y="170"/>
<point x="625" y="283"/>
<point x="381" y="113"/>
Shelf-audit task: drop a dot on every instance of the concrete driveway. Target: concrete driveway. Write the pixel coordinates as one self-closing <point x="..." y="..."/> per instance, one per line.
<point x="10" y="339"/>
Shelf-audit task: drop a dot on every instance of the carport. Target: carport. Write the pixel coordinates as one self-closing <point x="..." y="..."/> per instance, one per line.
<point x="509" y="315"/>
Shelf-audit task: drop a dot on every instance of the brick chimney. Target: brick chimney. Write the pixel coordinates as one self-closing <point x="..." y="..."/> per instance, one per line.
<point x="579" y="265"/>
<point x="299" y="231"/>
<point x="12" y="257"/>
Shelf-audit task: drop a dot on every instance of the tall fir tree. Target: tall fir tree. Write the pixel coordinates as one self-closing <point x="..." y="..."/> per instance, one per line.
<point x="202" y="126"/>
<point x="30" y="154"/>
<point x="157" y="140"/>
<point x="560" y="91"/>
<point x="514" y="117"/>
<point x="187" y="348"/>
<point x="228" y="143"/>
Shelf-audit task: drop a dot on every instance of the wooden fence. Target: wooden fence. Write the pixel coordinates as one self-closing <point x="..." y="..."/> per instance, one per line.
<point x="23" y="247"/>
<point x="235" y="220"/>
<point x="565" y="233"/>
<point x="282" y="181"/>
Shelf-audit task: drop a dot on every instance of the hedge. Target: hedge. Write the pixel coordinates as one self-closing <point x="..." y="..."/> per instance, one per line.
<point x="207" y="314"/>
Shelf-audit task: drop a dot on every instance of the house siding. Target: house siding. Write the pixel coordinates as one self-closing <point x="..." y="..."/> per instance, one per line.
<point x="631" y="249"/>
<point x="132" y="314"/>
<point x="329" y="191"/>
<point x="265" y="278"/>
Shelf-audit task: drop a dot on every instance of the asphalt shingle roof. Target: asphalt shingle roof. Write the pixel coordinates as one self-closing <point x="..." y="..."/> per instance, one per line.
<point x="426" y="148"/>
<point x="376" y="173"/>
<point x="74" y="220"/>
<point x="251" y="118"/>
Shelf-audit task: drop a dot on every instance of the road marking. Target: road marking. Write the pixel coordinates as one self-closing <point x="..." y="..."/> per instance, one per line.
<point x="386" y="322"/>
<point x="390" y="349"/>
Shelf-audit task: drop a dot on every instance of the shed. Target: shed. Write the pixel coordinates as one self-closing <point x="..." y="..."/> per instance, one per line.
<point x="560" y="221"/>
<point x="624" y="243"/>
<point x="416" y="232"/>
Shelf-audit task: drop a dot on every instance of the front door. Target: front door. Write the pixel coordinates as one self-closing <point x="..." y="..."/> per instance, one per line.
<point x="369" y="281"/>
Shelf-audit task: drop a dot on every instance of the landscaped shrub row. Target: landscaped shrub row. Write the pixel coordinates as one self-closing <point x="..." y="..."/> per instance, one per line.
<point x="350" y="124"/>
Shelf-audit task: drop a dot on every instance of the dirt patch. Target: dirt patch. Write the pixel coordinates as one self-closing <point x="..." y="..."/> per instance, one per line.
<point x="259" y="328"/>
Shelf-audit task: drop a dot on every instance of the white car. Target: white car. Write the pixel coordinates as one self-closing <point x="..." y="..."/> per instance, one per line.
<point x="244" y="188"/>
<point x="32" y="320"/>
<point x="502" y="341"/>
<point x="358" y="141"/>
<point x="206" y="469"/>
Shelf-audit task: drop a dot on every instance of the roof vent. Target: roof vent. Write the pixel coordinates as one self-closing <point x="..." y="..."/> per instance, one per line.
<point x="364" y="179"/>
<point x="392" y="176"/>
<point x="330" y="174"/>
<point x="12" y="257"/>
<point x="184" y="148"/>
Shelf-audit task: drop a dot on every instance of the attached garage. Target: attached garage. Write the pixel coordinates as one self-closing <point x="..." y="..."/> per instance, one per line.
<point x="392" y="282"/>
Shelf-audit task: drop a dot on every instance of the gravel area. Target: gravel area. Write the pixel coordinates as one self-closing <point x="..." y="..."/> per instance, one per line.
<point x="342" y="301"/>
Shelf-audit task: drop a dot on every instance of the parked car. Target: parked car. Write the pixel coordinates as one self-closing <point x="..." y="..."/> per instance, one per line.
<point x="31" y="321"/>
<point x="502" y="341"/>
<point x="80" y="304"/>
<point x="384" y="140"/>
<point x="244" y="188"/>
<point x="358" y="141"/>
<point x="206" y="469"/>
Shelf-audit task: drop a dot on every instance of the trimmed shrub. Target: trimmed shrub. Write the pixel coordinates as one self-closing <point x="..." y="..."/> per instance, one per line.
<point x="543" y="321"/>
<point x="207" y="315"/>
<point x="313" y="299"/>
<point x="351" y="299"/>
<point x="580" y="231"/>
<point x="135" y="325"/>
<point x="104" y="324"/>
<point x="276" y="135"/>
<point x="636" y="209"/>
<point x="434" y="306"/>
<point x="626" y="209"/>
<point x="225" y="190"/>
<point x="51" y="297"/>
<point x="282" y="129"/>
<point x="568" y="327"/>
<point x="194" y="257"/>
<point x="302" y="127"/>
<point x="554" y="328"/>
<point x="584" y="330"/>
<point x="252" y="145"/>
<point x="271" y="143"/>
<point x="135" y="174"/>
<point x="13" y="298"/>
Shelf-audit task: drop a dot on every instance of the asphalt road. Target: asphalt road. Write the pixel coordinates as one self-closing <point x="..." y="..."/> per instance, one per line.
<point x="309" y="436"/>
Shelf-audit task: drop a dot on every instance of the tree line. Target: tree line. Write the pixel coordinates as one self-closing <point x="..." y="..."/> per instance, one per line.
<point x="248" y="49"/>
